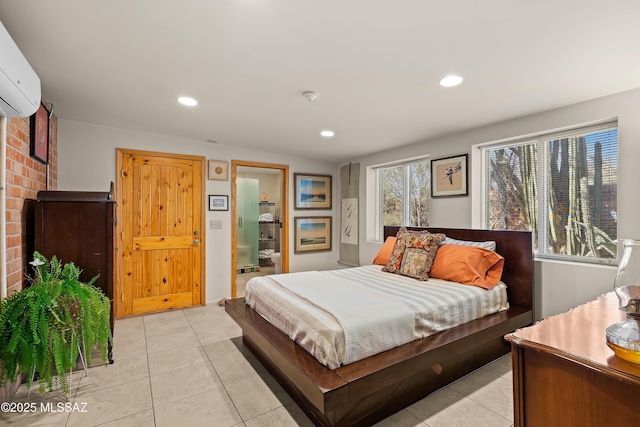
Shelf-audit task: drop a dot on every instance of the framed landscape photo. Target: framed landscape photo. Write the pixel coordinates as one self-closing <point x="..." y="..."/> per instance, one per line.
<point x="449" y="176"/>
<point x="312" y="234"/>
<point x="218" y="203"/>
<point x="312" y="191"/>
<point x="39" y="129"/>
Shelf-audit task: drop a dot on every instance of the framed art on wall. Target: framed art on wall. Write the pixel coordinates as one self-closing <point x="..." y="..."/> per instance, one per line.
<point x="218" y="170"/>
<point x="39" y="129"/>
<point x="449" y="176"/>
<point x="312" y="191"/>
<point x="218" y="203"/>
<point x="312" y="233"/>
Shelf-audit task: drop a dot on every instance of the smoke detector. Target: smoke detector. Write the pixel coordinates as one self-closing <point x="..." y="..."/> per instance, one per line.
<point x="310" y="95"/>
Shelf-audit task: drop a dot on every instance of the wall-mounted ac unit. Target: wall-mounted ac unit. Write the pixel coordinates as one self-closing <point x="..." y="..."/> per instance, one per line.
<point x="19" y="84"/>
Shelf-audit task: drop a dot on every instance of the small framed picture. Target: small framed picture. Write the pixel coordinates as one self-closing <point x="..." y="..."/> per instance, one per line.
<point x="312" y="191"/>
<point x="312" y="234"/>
<point x="449" y="176"/>
<point x="39" y="129"/>
<point x="218" y="170"/>
<point x="218" y="203"/>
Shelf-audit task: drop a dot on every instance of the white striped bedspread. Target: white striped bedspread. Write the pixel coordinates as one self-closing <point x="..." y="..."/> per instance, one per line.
<point x="317" y="319"/>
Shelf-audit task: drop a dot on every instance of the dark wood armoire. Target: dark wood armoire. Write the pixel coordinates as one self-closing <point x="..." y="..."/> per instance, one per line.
<point x="78" y="227"/>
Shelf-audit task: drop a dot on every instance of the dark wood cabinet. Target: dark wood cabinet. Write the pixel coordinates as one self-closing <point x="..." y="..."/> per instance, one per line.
<point x="78" y="227"/>
<point x="564" y="374"/>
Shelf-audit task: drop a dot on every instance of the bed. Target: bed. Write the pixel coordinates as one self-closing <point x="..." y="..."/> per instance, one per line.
<point x="366" y="391"/>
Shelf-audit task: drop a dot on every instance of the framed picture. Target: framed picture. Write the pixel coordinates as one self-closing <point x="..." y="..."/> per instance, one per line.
<point x="218" y="203"/>
<point x="39" y="129"/>
<point x="312" y="234"/>
<point x="219" y="170"/>
<point x="449" y="176"/>
<point x="312" y="191"/>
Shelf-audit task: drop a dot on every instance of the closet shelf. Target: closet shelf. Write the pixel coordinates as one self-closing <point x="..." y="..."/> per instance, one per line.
<point x="269" y="226"/>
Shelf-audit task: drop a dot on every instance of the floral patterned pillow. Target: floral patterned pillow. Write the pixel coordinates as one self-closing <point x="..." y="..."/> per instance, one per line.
<point x="420" y="248"/>
<point x="414" y="263"/>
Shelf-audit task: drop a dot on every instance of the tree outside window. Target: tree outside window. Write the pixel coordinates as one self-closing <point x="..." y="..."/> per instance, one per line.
<point x="405" y="194"/>
<point x="563" y="188"/>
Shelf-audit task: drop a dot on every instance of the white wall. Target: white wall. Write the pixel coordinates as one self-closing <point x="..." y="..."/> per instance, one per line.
<point x="559" y="285"/>
<point x="87" y="162"/>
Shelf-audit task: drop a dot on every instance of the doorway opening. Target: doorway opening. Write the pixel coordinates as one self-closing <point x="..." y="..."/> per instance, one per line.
<point x="259" y="232"/>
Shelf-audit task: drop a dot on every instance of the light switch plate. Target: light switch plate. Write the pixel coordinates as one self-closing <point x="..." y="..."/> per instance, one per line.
<point x="215" y="224"/>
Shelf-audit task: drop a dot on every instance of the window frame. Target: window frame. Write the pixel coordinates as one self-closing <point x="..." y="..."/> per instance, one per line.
<point x="542" y="150"/>
<point x="406" y="193"/>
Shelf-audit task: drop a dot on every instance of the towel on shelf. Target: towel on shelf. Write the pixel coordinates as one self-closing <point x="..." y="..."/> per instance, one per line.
<point x="265" y="253"/>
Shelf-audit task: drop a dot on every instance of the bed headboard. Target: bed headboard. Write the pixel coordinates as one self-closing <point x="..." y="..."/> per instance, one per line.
<point x="515" y="246"/>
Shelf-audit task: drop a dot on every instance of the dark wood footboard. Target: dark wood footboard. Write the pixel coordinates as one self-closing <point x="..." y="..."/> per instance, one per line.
<point x="367" y="391"/>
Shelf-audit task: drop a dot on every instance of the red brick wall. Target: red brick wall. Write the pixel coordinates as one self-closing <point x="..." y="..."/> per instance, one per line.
<point x="25" y="177"/>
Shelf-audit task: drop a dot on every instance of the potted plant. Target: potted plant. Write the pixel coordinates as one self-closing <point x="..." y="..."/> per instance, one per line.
<point x="44" y="327"/>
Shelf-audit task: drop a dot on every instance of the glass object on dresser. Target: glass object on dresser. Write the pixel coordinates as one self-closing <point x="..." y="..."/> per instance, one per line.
<point x="624" y="337"/>
<point x="269" y="229"/>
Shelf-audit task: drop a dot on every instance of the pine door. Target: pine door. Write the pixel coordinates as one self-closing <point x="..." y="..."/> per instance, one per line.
<point x="162" y="231"/>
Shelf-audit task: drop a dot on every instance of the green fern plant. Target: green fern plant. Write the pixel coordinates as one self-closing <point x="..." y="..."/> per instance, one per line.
<point x="42" y="326"/>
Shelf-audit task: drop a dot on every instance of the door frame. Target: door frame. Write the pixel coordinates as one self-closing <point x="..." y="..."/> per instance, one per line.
<point x="284" y="209"/>
<point x="118" y="292"/>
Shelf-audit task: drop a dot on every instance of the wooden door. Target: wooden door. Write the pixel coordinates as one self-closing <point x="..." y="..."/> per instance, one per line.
<point x="161" y="222"/>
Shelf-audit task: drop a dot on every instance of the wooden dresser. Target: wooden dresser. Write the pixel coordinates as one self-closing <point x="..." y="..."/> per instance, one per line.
<point x="564" y="374"/>
<point x="78" y="227"/>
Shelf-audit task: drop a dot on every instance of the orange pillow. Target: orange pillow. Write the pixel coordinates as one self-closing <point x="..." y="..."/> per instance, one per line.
<point x="383" y="255"/>
<point x="469" y="265"/>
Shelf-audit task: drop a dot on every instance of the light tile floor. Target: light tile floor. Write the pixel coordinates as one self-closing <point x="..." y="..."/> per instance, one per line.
<point x="190" y="368"/>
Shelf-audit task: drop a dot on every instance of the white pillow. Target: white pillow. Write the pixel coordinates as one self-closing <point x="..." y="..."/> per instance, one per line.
<point x="490" y="245"/>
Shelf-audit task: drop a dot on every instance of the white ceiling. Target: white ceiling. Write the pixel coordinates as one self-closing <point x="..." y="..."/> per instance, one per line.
<point x="375" y="65"/>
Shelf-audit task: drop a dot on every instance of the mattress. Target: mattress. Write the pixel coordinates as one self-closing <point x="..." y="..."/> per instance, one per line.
<point x="314" y="320"/>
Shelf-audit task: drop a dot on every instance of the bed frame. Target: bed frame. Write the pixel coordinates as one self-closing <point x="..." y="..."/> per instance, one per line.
<point x="369" y="390"/>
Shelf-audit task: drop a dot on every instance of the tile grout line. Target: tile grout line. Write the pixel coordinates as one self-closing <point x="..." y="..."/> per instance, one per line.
<point x="75" y="394"/>
<point x="216" y="371"/>
<point x="139" y="412"/>
<point x="464" y="396"/>
<point x="153" y="406"/>
<point x="486" y="407"/>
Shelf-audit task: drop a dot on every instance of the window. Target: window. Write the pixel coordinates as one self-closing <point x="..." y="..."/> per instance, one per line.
<point x="562" y="187"/>
<point x="404" y="192"/>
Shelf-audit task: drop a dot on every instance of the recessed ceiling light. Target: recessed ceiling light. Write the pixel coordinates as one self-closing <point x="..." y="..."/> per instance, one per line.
<point x="327" y="133"/>
<point x="451" y="81"/>
<point x="185" y="100"/>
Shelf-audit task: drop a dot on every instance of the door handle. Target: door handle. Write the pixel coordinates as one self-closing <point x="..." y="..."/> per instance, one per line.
<point x="196" y="241"/>
<point x="240" y="222"/>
